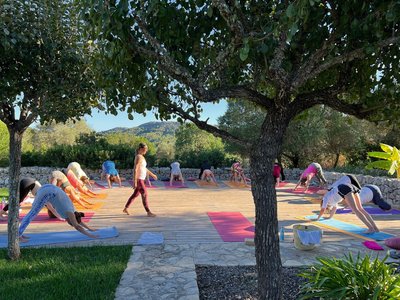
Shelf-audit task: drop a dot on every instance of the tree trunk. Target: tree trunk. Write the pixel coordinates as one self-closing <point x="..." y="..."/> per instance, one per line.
<point x="336" y="160"/>
<point x="263" y="154"/>
<point x="14" y="173"/>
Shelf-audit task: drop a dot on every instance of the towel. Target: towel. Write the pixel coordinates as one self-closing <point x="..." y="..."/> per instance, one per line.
<point x="309" y="237"/>
<point x="151" y="238"/>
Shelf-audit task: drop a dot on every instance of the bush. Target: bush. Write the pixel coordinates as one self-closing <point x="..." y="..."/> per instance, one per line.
<point x="347" y="278"/>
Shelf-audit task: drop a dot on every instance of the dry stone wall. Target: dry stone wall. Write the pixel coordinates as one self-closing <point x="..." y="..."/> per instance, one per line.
<point x="390" y="187"/>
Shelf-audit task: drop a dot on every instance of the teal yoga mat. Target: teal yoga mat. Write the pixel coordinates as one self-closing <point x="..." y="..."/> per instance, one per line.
<point x="48" y="238"/>
<point x="378" y="236"/>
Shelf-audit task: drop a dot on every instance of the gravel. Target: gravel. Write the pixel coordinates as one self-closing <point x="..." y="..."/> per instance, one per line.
<point x="240" y="282"/>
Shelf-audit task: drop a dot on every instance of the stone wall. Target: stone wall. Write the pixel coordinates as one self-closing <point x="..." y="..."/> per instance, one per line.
<point x="390" y="187"/>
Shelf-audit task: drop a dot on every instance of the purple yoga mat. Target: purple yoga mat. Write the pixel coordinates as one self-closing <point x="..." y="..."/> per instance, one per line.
<point x="371" y="211"/>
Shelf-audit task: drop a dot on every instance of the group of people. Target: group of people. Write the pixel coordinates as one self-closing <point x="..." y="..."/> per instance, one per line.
<point x="72" y="187"/>
<point x="58" y="196"/>
<point x="346" y="190"/>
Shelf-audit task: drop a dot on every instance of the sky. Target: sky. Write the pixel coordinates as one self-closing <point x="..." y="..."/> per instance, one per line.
<point x="99" y="121"/>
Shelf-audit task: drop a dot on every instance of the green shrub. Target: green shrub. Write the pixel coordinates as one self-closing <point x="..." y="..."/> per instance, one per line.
<point x="347" y="278"/>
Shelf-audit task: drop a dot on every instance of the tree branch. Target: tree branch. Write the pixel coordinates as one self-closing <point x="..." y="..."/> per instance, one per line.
<point x="173" y="108"/>
<point x="313" y="71"/>
<point x="279" y="74"/>
<point x="231" y="19"/>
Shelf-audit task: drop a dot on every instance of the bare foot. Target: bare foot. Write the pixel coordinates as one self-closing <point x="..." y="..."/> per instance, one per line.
<point x="3" y="218"/>
<point x="150" y="214"/>
<point x="25" y="237"/>
<point x="125" y="210"/>
<point x="23" y="240"/>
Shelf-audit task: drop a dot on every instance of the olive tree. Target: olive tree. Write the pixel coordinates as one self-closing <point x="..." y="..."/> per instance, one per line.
<point x="283" y="56"/>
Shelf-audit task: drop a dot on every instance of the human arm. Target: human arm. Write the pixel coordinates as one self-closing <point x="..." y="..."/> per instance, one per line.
<point x="87" y="227"/>
<point x="74" y="223"/>
<point x="151" y="174"/>
<point x="53" y="210"/>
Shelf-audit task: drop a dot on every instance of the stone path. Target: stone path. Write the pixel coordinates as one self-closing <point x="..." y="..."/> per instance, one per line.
<point x="167" y="271"/>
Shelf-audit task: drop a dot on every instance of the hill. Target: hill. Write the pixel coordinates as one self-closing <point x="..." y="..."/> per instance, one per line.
<point x="153" y="131"/>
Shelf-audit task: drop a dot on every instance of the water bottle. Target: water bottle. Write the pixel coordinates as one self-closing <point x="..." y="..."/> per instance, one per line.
<point x="282" y="234"/>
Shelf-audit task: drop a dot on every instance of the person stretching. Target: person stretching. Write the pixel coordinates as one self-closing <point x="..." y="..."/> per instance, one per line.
<point x="50" y="194"/>
<point x="26" y="185"/>
<point x="79" y="173"/>
<point x="59" y="179"/>
<point x="314" y="169"/>
<point x="139" y="175"/>
<point x="176" y="173"/>
<point x="111" y="173"/>
<point x="349" y="192"/>
<point x="208" y="176"/>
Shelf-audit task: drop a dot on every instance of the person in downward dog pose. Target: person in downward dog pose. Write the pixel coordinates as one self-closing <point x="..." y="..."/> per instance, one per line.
<point x="50" y="194"/>
<point x="176" y="173"/>
<point x="313" y="169"/>
<point x="26" y="185"/>
<point x="79" y="173"/>
<point x="347" y="188"/>
<point x="139" y="175"/>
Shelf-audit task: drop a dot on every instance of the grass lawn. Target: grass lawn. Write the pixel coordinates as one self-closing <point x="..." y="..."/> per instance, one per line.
<point x="3" y="192"/>
<point x="63" y="273"/>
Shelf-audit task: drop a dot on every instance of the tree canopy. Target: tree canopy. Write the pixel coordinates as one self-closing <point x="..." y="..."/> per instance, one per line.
<point x="285" y="57"/>
<point x="44" y="76"/>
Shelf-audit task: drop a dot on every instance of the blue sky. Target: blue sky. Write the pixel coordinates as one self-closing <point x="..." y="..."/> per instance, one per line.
<point x="99" y="121"/>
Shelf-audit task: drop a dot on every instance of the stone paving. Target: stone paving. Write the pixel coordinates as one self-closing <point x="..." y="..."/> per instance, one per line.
<point x="167" y="271"/>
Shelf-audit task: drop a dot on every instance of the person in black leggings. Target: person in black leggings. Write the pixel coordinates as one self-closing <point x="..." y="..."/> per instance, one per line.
<point x="26" y="185"/>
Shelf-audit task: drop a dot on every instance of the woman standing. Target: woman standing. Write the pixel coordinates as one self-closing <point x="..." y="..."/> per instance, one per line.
<point x="139" y="175"/>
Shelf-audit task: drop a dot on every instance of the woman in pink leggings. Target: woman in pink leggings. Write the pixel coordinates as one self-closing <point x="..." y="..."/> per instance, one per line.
<point x="139" y="176"/>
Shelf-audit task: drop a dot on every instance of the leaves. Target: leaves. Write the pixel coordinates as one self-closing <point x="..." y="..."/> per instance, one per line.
<point x="349" y="278"/>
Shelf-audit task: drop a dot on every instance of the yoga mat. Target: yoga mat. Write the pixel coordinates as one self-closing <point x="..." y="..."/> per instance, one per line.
<point x="231" y="226"/>
<point x="92" y="206"/>
<point x="301" y="190"/>
<point x="371" y="211"/>
<point x="147" y="185"/>
<point x="205" y="184"/>
<point x="236" y="185"/>
<point x="175" y="185"/>
<point x="44" y="218"/>
<point x="151" y="238"/>
<point x="48" y="238"/>
<point x="98" y="185"/>
<point x="350" y="229"/>
<point x="282" y="184"/>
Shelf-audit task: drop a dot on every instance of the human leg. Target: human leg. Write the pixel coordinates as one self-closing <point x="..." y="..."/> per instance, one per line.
<point x="132" y="197"/>
<point x="40" y="200"/>
<point x="352" y="199"/>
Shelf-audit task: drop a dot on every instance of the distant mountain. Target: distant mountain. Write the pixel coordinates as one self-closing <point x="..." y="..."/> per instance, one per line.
<point x="151" y="130"/>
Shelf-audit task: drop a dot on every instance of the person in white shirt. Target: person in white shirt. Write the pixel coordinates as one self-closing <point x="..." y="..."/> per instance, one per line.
<point x="347" y="190"/>
<point x="140" y="173"/>
<point x="176" y="173"/>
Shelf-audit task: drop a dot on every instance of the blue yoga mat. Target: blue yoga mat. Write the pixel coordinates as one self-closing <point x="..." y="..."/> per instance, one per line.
<point x="48" y="238"/>
<point x="378" y="236"/>
<point x="151" y="238"/>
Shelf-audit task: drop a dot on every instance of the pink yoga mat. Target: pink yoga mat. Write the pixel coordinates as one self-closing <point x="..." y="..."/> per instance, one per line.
<point x="44" y="218"/>
<point x="282" y="184"/>
<point x="147" y="185"/>
<point x="232" y="226"/>
<point x="311" y="190"/>
<point x="175" y="185"/>
<point x="98" y="185"/>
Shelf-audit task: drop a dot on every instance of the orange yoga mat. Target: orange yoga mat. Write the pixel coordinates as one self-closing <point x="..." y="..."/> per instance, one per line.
<point x="236" y="185"/>
<point x="92" y="206"/>
<point x="202" y="183"/>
